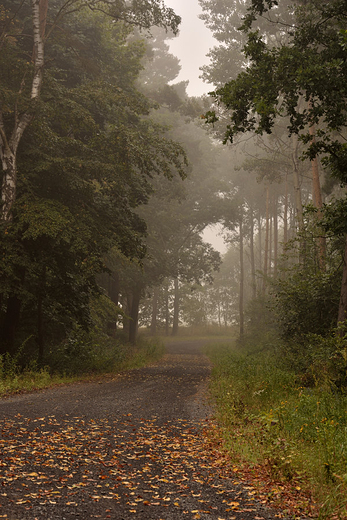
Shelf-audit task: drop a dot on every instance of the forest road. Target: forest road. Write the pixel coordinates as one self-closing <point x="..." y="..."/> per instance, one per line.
<point x="130" y="447"/>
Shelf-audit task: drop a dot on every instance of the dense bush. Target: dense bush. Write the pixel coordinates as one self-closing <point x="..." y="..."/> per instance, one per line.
<point x="307" y="302"/>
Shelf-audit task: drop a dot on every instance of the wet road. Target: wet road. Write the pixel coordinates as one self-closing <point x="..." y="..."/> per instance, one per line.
<point x="135" y="446"/>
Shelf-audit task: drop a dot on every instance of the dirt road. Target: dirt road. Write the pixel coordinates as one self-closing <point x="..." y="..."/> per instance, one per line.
<point x="130" y="447"/>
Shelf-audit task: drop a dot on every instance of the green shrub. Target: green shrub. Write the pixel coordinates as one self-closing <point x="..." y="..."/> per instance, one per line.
<point x="306" y="302"/>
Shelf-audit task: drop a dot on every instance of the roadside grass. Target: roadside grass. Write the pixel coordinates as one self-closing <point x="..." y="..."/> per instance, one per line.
<point x="201" y="333"/>
<point x="83" y="357"/>
<point x="269" y="420"/>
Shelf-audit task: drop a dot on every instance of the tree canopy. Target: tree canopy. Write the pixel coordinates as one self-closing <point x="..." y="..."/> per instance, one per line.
<point x="83" y="164"/>
<point x="301" y="78"/>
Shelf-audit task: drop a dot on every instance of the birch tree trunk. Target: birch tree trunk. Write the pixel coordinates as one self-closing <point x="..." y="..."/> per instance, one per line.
<point x="9" y="143"/>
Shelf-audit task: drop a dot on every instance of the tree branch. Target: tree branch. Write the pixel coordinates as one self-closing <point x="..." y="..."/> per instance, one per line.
<point x="2" y="132"/>
<point x="3" y="34"/>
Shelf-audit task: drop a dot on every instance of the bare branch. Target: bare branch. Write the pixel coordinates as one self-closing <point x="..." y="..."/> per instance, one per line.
<point x="2" y="132"/>
<point x="4" y="32"/>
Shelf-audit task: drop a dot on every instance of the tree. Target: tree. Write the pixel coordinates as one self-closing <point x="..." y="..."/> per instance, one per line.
<point x="224" y="18"/>
<point x="277" y="77"/>
<point x="177" y="214"/>
<point x="160" y="66"/>
<point x="85" y="164"/>
<point x="21" y="97"/>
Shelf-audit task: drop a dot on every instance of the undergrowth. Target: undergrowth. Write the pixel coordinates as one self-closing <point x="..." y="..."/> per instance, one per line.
<point x="270" y="418"/>
<point x="79" y="357"/>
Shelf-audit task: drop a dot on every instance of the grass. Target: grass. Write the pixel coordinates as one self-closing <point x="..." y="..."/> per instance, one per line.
<point x="83" y="357"/>
<point x="268" y="419"/>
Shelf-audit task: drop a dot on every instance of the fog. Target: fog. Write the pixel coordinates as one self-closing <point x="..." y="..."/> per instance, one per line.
<point x="191" y="45"/>
<point x="119" y="198"/>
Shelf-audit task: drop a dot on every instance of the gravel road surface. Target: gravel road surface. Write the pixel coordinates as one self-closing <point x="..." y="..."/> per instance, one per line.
<point x="130" y="447"/>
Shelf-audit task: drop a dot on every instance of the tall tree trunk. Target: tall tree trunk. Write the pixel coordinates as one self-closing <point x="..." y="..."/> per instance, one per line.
<point x="43" y="17"/>
<point x="10" y="325"/>
<point x="9" y="180"/>
<point x="176" y="308"/>
<point x="242" y="281"/>
<point x="285" y="213"/>
<point x="342" y="314"/>
<point x="155" y="298"/>
<point x="298" y="199"/>
<point x="113" y="287"/>
<point x="266" y="250"/>
<point x="251" y="247"/>
<point x="219" y="311"/>
<point x="275" y="233"/>
<point x="134" y="315"/>
<point x="40" y="327"/>
<point x="318" y="202"/>
<point x="9" y="144"/>
<point x="111" y="284"/>
<point x="260" y="247"/>
<point x="269" y="268"/>
<point x="167" y="310"/>
<point x="127" y="312"/>
<point x="296" y="182"/>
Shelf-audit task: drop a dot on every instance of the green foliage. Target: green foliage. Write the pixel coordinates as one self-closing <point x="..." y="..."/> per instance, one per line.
<point x="307" y="302"/>
<point x="305" y="296"/>
<point x="95" y="353"/>
<point x="320" y="360"/>
<point x="30" y="379"/>
<point x="224" y="18"/>
<point x="280" y="74"/>
<point x="160" y="67"/>
<point x="84" y="165"/>
<point x="83" y="352"/>
<point x="260" y="319"/>
<point x="81" y="356"/>
<point x="141" y="13"/>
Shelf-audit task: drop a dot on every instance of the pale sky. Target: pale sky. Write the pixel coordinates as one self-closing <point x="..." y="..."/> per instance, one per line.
<point x="191" y="45"/>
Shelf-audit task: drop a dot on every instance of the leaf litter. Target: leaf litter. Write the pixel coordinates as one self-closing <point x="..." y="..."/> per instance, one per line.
<point x="125" y="466"/>
<point x="49" y="464"/>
